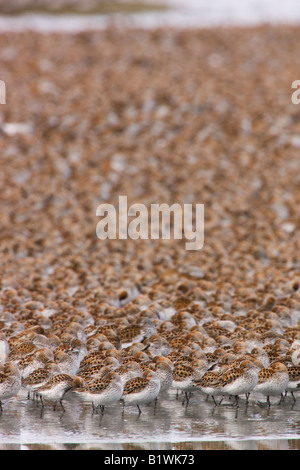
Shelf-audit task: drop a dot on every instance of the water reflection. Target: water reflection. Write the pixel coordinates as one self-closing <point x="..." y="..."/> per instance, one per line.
<point x="201" y="425"/>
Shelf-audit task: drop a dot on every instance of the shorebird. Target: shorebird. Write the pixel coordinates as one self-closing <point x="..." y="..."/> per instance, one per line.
<point x="272" y="380"/>
<point x="157" y="345"/>
<point x="103" y="391"/>
<point x="4" y="346"/>
<point x="136" y="332"/>
<point x="294" y="380"/>
<point x="238" y="380"/>
<point x="34" y="361"/>
<point x="185" y="373"/>
<point x="56" y="388"/>
<point x="40" y="376"/>
<point x="164" y="370"/>
<point x="207" y="384"/>
<point x="10" y="381"/>
<point x="140" y="390"/>
<point x="129" y="371"/>
<point x="68" y="362"/>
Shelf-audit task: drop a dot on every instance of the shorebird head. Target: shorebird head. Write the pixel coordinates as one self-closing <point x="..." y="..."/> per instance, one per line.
<point x="3" y="358"/>
<point x="113" y="376"/>
<point x="279" y="367"/>
<point x="10" y="368"/>
<point x="77" y="382"/>
<point x="150" y="374"/>
<point x="251" y="364"/>
<point x="61" y="356"/>
<point x="44" y="354"/>
<point x="296" y="357"/>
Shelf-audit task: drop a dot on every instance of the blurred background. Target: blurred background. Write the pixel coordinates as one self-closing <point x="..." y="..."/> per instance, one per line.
<point x="78" y="15"/>
<point x="184" y="101"/>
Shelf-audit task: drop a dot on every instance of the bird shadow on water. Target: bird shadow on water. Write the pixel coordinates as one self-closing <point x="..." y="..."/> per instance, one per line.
<point x="59" y="413"/>
<point x="241" y="416"/>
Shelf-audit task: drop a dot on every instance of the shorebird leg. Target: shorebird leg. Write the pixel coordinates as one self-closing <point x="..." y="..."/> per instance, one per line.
<point x="123" y="406"/>
<point x="185" y="399"/>
<point x="62" y="407"/>
<point x="216" y="404"/>
<point x="281" y="399"/>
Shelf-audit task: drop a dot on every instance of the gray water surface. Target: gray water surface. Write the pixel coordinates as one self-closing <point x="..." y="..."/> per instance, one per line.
<point x="180" y="14"/>
<point x="169" y="425"/>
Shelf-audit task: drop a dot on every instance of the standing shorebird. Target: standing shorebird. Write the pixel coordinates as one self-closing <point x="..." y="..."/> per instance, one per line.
<point x="157" y="345"/>
<point x="129" y="371"/>
<point x="185" y="373"/>
<point x="103" y="391"/>
<point x="272" y="380"/>
<point x="294" y="380"/>
<point x="34" y="361"/>
<point x="208" y="384"/>
<point x="238" y="380"/>
<point x="4" y="347"/>
<point x="140" y="390"/>
<point x="136" y="332"/>
<point x="164" y="370"/>
<point x="10" y="381"/>
<point x="67" y="361"/>
<point x="40" y="377"/>
<point x="56" y="388"/>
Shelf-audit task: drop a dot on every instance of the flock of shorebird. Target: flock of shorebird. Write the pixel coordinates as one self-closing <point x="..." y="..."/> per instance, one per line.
<point x="136" y="360"/>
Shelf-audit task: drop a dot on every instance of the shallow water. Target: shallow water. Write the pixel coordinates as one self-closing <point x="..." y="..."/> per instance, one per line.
<point x="24" y="424"/>
<point x="181" y="14"/>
